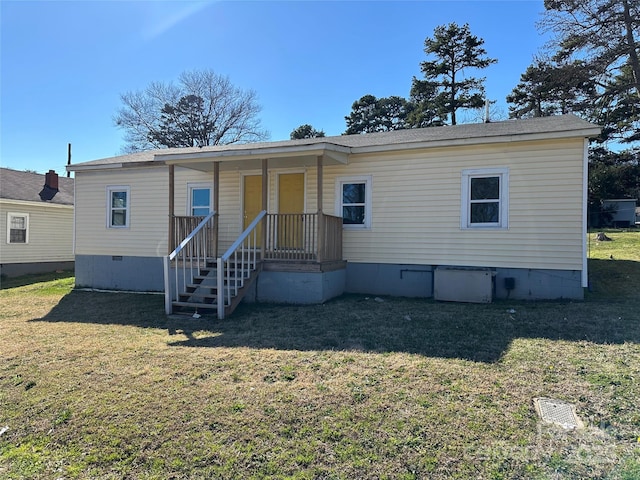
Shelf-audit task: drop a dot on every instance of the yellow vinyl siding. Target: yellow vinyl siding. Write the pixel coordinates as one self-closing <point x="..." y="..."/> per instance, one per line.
<point x="417" y="203"/>
<point x="50" y="233"/>
<point x="416" y="206"/>
<point x="148" y="212"/>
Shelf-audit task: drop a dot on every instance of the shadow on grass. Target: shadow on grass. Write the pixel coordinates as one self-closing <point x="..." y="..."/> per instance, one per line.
<point x="23" y="280"/>
<point x="614" y="279"/>
<point x="476" y="332"/>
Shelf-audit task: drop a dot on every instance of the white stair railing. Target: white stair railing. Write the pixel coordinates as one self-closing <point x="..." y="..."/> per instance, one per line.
<point x="237" y="263"/>
<point x="188" y="259"/>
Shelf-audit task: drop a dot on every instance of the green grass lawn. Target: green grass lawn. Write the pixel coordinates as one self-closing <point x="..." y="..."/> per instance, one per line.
<point x="105" y="386"/>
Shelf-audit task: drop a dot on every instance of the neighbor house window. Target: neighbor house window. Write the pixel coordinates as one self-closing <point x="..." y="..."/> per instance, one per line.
<point x="353" y="201"/>
<point x="200" y="203"/>
<point x="118" y="200"/>
<point x="485" y="199"/>
<point x="17" y="228"/>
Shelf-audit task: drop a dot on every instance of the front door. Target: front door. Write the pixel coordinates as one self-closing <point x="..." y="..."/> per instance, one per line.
<point x="252" y="202"/>
<point x="290" y="208"/>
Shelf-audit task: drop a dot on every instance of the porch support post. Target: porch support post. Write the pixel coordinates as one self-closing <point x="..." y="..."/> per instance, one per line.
<point x="320" y="179"/>
<point x="172" y="201"/>
<point x="321" y="240"/>
<point x="265" y="196"/>
<point x="216" y="206"/>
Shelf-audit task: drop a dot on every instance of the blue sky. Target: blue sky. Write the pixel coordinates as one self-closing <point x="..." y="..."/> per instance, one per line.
<point x="64" y="64"/>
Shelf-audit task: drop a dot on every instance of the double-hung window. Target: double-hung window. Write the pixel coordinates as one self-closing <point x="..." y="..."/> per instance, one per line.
<point x="485" y="198"/>
<point x="17" y="228"/>
<point x="118" y="207"/>
<point x="200" y="204"/>
<point x="353" y="201"/>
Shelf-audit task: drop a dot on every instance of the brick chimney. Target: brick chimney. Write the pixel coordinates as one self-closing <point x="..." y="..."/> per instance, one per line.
<point x="51" y="180"/>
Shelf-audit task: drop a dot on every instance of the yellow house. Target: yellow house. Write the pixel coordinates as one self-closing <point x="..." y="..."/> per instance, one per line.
<point x="469" y="212"/>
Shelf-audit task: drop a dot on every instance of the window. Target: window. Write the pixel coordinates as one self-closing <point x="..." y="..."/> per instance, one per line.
<point x="200" y="204"/>
<point x="118" y="207"/>
<point x="17" y="228"/>
<point x="354" y="201"/>
<point x="485" y="202"/>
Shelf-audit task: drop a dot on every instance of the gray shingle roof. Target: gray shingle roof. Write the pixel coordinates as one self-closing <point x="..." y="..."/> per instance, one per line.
<point x="27" y="186"/>
<point x="480" y="131"/>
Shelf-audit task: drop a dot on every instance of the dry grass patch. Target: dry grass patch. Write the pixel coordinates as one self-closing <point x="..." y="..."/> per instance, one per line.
<point x="106" y="386"/>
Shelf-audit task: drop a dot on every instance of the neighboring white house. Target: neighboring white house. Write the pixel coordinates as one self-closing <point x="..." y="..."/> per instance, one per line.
<point x="624" y="211"/>
<point x="36" y="222"/>
<point x="441" y="211"/>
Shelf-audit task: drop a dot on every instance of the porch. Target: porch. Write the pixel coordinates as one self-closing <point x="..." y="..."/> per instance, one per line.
<point x="306" y="239"/>
<point x="196" y="278"/>
<point x="291" y="246"/>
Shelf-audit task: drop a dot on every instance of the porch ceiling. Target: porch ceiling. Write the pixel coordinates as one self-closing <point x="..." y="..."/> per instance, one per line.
<point x="251" y="159"/>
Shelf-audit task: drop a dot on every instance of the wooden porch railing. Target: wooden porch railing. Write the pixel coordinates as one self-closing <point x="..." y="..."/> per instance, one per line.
<point x="330" y="243"/>
<point x="206" y="241"/>
<point x="303" y="237"/>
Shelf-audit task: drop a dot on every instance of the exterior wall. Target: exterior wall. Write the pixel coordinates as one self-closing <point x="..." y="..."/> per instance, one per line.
<point x="114" y="272"/>
<point x="416" y="200"/>
<point x="50" y="233"/>
<point x="297" y="287"/>
<point x="148" y="228"/>
<point x="149" y="206"/>
<point x="417" y="281"/>
<point x="415" y="224"/>
<point x="542" y="284"/>
<point x="390" y="279"/>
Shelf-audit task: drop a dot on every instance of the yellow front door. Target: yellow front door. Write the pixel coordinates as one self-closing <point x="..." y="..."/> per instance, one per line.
<point x="290" y="203"/>
<point x="252" y="201"/>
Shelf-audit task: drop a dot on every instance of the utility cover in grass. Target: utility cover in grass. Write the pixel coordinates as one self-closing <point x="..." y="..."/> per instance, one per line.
<point x="558" y="412"/>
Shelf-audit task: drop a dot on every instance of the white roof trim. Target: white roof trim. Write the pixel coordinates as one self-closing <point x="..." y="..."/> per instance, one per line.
<point x="35" y="204"/>
<point x="521" y="137"/>
<point x="338" y="153"/>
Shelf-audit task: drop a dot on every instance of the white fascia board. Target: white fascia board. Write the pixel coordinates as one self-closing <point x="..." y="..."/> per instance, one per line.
<point x="26" y="203"/>
<point x="113" y="166"/>
<point x="453" y="142"/>
<point x="103" y="166"/>
<point x="338" y="153"/>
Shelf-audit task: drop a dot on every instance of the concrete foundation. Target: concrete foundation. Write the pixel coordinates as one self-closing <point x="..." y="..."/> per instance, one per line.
<point x="417" y="281"/>
<point x="308" y="287"/>
<point x="539" y="284"/>
<point x="142" y="274"/>
<point x="401" y="280"/>
<point x="297" y="287"/>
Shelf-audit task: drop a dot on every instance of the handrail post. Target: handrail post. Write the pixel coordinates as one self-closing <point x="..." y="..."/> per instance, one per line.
<point x="220" y="285"/>
<point x="167" y="287"/>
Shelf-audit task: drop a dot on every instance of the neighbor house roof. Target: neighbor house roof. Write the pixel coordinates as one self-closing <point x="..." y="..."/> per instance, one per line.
<point x="27" y="186"/>
<point x="339" y="147"/>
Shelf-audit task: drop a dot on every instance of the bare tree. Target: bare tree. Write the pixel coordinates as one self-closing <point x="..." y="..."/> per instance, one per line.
<point x="203" y="108"/>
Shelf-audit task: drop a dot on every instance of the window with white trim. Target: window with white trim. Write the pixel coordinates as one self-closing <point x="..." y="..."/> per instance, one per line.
<point x="485" y="198"/>
<point x="353" y="201"/>
<point x="17" y="228"/>
<point x="200" y="201"/>
<point x="118" y="207"/>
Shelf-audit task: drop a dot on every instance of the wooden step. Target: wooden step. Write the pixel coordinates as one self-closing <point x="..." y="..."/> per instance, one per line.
<point x="206" y="306"/>
<point x="186" y="296"/>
